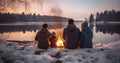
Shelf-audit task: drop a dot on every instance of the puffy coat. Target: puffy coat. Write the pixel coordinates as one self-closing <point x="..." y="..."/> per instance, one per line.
<point x="71" y="36"/>
<point x="43" y="38"/>
<point x="86" y="38"/>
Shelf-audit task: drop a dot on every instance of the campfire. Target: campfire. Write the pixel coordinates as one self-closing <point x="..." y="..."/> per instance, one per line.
<point x="60" y="42"/>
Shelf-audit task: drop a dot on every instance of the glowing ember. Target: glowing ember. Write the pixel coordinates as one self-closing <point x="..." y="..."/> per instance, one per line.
<point x="59" y="42"/>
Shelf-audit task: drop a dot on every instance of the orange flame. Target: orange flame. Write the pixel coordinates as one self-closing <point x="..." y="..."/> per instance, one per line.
<point x="60" y="42"/>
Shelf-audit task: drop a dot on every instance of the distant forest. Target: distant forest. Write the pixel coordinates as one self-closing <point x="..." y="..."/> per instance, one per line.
<point x="100" y="16"/>
<point x="108" y="16"/>
<point x="9" y="18"/>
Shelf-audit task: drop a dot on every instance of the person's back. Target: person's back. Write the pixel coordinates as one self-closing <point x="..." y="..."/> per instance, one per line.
<point x="71" y="36"/>
<point x="43" y="37"/>
<point x="53" y="40"/>
<point x="86" y="36"/>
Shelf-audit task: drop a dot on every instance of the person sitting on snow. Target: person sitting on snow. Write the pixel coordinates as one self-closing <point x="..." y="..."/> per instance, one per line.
<point x="43" y="37"/>
<point x="86" y="36"/>
<point x="71" y="35"/>
<point x="53" y="40"/>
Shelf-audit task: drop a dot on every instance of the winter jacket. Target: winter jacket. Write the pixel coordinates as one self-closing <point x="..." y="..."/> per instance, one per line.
<point x="43" y="38"/>
<point x="71" y="36"/>
<point x="53" y="40"/>
<point x="86" y="38"/>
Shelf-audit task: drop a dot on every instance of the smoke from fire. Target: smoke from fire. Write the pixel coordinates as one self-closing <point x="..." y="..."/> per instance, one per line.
<point x="56" y="11"/>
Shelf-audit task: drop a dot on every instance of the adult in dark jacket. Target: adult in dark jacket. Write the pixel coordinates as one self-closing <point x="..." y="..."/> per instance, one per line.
<point x="86" y="36"/>
<point x="43" y="37"/>
<point x="71" y="35"/>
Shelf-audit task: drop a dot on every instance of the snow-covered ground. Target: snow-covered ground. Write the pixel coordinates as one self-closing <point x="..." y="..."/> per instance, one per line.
<point x="14" y="53"/>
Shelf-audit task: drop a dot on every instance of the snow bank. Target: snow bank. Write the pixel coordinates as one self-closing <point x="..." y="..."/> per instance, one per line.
<point x="112" y="45"/>
<point x="14" y="53"/>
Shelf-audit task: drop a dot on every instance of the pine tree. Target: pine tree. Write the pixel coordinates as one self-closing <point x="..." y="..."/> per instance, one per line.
<point x="91" y="18"/>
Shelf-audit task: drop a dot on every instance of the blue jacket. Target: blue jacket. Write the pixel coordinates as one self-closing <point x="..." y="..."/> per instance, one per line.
<point x="86" y="38"/>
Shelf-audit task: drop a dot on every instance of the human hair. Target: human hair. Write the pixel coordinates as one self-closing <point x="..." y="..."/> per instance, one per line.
<point x="45" y="25"/>
<point x="70" y="21"/>
<point x="85" y="24"/>
<point x="53" y="33"/>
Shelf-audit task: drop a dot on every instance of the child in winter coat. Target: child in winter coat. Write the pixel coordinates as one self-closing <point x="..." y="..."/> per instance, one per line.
<point x="53" y="40"/>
